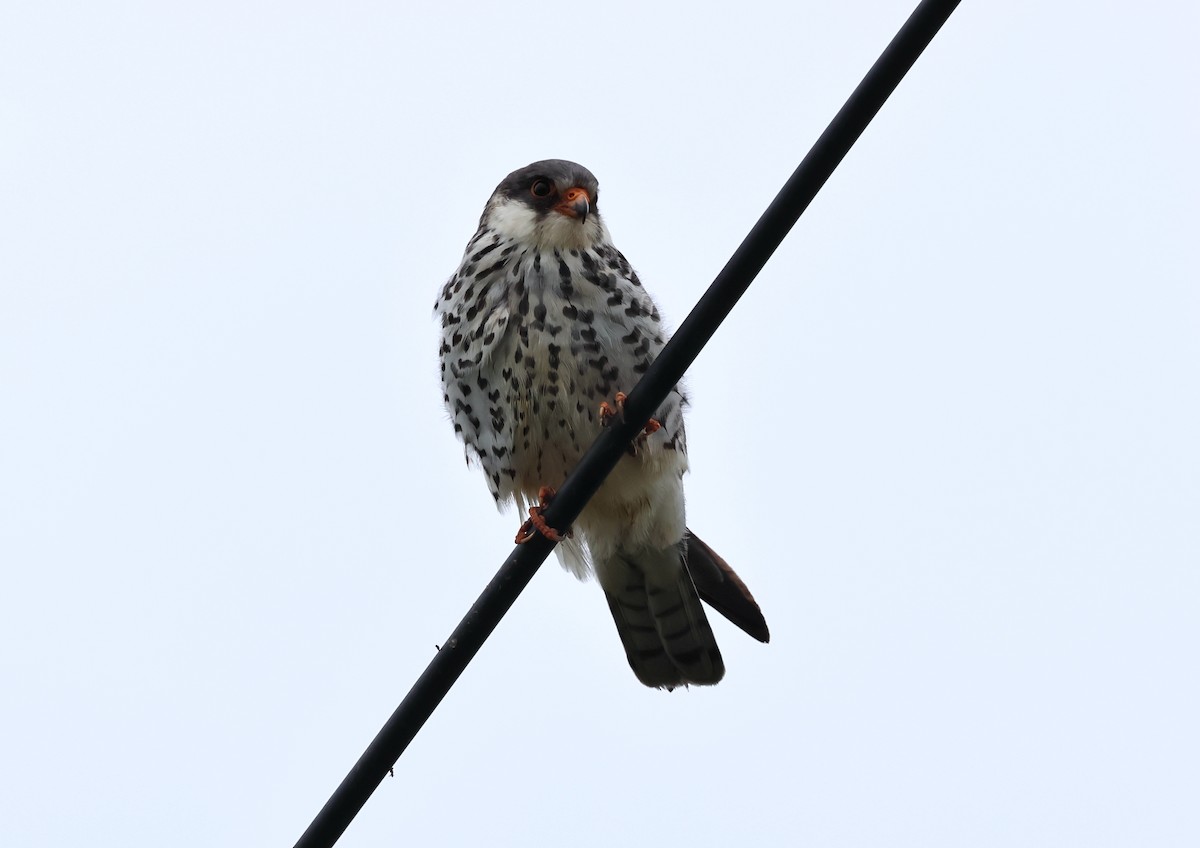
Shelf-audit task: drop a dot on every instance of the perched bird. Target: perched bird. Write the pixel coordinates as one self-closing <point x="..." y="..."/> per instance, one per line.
<point x="543" y="325"/>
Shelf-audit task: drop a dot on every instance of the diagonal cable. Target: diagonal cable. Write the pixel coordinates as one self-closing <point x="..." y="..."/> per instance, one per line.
<point x="683" y="348"/>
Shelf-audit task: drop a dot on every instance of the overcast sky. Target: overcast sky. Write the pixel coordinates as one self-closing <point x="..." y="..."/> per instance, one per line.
<point x="949" y="438"/>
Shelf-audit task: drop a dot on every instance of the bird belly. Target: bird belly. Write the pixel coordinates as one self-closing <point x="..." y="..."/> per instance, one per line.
<point x="555" y="418"/>
<point x="640" y="504"/>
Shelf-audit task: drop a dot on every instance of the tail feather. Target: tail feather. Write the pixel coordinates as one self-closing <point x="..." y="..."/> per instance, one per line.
<point x="655" y="599"/>
<point x="643" y="646"/>
<point x="684" y="630"/>
<point x="662" y="626"/>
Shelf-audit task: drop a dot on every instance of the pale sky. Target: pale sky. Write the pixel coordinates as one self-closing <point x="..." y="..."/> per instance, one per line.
<point x="949" y="438"/>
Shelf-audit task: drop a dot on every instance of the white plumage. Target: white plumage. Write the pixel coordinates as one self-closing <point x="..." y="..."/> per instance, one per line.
<point x="543" y="321"/>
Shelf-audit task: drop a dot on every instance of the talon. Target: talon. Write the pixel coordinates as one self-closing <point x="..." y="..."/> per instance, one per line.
<point x="536" y="523"/>
<point x="652" y="426"/>
<point x="609" y="412"/>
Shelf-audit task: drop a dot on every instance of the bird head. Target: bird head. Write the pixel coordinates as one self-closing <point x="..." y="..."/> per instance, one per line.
<point x="548" y="205"/>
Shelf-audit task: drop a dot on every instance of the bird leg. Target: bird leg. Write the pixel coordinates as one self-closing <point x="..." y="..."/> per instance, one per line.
<point x="536" y="523"/>
<point x="607" y="413"/>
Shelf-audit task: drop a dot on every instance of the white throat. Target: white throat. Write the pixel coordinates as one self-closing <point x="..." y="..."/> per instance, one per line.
<point x="514" y="220"/>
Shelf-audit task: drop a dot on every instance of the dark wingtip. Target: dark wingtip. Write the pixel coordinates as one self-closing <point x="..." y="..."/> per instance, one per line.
<point x="721" y="588"/>
<point x="763" y="633"/>
<point x="756" y="626"/>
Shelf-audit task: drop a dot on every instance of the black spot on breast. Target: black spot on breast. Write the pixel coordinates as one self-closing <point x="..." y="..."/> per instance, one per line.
<point x="589" y="340"/>
<point x="475" y="257"/>
<point x="491" y="269"/>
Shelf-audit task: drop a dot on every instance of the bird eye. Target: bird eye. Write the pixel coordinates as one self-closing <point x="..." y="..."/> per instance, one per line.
<point x="541" y="188"/>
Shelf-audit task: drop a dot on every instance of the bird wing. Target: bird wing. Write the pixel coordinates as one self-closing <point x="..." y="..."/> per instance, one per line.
<point x="721" y="588"/>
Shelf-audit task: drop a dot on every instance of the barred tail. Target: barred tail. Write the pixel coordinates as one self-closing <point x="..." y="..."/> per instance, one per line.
<point x="662" y="625"/>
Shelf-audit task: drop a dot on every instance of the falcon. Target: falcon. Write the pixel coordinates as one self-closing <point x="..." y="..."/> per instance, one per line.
<point x="542" y="327"/>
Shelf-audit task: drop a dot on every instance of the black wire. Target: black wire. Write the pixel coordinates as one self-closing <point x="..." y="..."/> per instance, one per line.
<point x="666" y="370"/>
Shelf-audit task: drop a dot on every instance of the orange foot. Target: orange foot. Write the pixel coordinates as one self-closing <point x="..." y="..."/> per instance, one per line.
<point x="607" y="413"/>
<point x="536" y="523"/>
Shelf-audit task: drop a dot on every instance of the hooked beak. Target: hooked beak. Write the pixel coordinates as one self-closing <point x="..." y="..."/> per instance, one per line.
<point x="575" y="204"/>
